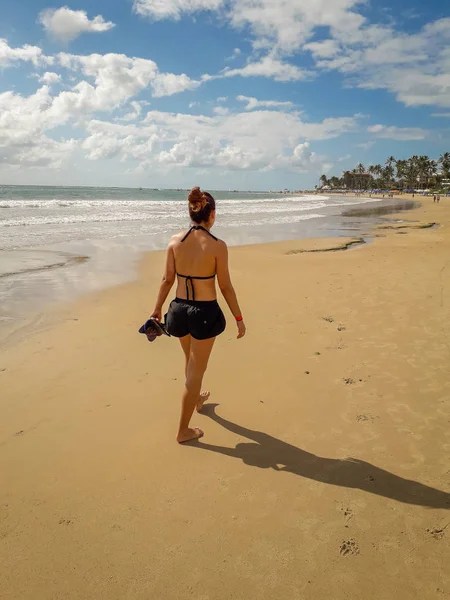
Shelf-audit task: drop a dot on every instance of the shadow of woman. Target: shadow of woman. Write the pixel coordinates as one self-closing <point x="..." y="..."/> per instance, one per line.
<point x="267" y="452"/>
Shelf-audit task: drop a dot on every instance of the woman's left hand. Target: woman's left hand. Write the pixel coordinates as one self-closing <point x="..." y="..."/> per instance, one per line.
<point x="156" y="314"/>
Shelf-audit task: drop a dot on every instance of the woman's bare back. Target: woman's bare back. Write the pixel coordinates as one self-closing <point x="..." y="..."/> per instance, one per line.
<point x="195" y="257"/>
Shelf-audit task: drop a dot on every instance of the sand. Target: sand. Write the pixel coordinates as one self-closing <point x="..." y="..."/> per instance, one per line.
<point x="325" y="467"/>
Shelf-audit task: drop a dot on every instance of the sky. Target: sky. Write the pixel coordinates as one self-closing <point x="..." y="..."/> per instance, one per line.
<point x="225" y="94"/>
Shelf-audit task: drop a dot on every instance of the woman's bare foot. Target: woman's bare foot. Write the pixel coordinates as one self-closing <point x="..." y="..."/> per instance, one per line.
<point x="204" y="397"/>
<point x="189" y="434"/>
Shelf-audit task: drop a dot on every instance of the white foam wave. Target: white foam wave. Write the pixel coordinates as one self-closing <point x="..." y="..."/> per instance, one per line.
<point x="113" y="203"/>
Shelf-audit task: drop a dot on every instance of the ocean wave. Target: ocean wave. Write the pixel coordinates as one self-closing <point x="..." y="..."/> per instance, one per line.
<point x="110" y="203"/>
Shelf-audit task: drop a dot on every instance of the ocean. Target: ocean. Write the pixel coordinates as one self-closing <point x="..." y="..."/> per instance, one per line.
<point x="59" y="242"/>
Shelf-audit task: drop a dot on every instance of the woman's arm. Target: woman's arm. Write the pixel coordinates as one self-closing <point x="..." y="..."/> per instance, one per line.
<point x="226" y="287"/>
<point x="166" y="283"/>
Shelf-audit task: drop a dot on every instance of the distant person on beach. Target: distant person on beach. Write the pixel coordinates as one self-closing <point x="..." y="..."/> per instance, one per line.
<point x="196" y="257"/>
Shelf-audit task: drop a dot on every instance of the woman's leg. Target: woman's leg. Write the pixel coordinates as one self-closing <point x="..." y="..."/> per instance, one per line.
<point x="200" y="351"/>
<point x="186" y="346"/>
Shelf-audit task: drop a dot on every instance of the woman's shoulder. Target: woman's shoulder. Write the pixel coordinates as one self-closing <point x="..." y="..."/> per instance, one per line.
<point x="177" y="237"/>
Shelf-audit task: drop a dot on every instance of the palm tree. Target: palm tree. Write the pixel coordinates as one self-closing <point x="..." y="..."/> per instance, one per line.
<point x="347" y="179"/>
<point x="360" y="170"/>
<point x="389" y="170"/>
<point x="334" y="181"/>
<point x="401" y="168"/>
<point x="388" y="174"/>
<point x="324" y="180"/>
<point x="416" y="171"/>
<point x="444" y="161"/>
<point x="412" y="171"/>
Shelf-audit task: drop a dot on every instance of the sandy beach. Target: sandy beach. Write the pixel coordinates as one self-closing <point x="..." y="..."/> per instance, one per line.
<point x="325" y="467"/>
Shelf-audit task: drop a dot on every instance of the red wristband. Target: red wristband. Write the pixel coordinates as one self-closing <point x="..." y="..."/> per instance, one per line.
<point x="239" y="318"/>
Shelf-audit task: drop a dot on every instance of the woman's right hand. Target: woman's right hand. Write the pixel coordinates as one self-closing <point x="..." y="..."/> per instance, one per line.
<point x="241" y="329"/>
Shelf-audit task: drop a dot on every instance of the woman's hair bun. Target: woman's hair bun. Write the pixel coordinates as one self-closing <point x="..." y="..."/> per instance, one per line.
<point x="197" y="199"/>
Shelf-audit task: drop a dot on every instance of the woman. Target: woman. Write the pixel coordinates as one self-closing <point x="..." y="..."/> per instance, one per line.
<point x="196" y="257"/>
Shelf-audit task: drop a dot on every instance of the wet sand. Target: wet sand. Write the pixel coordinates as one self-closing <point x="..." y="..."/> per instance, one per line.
<point x="324" y="470"/>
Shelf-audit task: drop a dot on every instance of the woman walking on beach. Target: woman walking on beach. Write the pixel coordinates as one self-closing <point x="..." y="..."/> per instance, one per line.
<point x="196" y="257"/>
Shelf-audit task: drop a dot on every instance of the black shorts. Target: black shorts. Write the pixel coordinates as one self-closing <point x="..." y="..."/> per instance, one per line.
<point x="203" y="320"/>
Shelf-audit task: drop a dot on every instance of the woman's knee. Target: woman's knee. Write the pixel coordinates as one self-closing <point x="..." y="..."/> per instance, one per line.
<point x="194" y="373"/>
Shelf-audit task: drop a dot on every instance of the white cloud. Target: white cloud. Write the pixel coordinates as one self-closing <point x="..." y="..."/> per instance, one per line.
<point x="116" y="79"/>
<point x="23" y="125"/>
<point x="366" y="145"/>
<point x="65" y="24"/>
<point x="415" y="67"/>
<point x="253" y="103"/>
<point x="398" y="133"/>
<point x="10" y="56"/>
<point x="288" y="24"/>
<point x="323" y="49"/>
<point x="236" y="52"/>
<point x="102" y="83"/>
<point x="221" y="110"/>
<point x="445" y="114"/>
<point x="167" y="84"/>
<point x="268" y="66"/>
<point x="172" y="9"/>
<point x="136" y="112"/>
<point x="238" y="141"/>
<point x="49" y="78"/>
<point x="222" y="98"/>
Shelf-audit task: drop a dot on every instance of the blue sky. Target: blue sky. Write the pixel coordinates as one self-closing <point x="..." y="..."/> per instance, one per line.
<point x="241" y="94"/>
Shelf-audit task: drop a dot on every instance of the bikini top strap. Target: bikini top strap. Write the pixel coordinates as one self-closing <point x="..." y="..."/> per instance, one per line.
<point x="188" y="234"/>
<point x="198" y="228"/>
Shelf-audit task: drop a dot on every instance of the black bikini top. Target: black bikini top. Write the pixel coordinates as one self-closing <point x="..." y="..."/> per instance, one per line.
<point x="190" y="278"/>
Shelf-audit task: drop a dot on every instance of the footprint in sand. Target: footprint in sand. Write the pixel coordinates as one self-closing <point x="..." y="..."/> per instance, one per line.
<point x="65" y="522"/>
<point x="18" y="433"/>
<point x="348" y="514"/>
<point x="437" y="534"/>
<point x="349" y="547"/>
<point x="367" y="417"/>
<point x="328" y="319"/>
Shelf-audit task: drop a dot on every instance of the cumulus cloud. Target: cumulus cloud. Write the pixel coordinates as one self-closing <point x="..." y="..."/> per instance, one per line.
<point x="134" y="114"/>
<point x="10" y="56"/>
<point x="237" y="141"/>
<point x="48" y="78"/>
<point x="65" y="24"/>
<point x="172" y="9"/>
<point x="253" y="103"/>
<point x="269" y="66"/>
<point x="102" y="83"/>
<point x="116" y="78"/>
<point x="221" y="110"/>
<point x="23" y="125"/>
<point x="414" y="67"/>
<point x="398" y="133"/>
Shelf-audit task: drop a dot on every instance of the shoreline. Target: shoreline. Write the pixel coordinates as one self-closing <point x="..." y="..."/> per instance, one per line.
<point x="324" y="467"/>
<point x="13" y="328"/>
